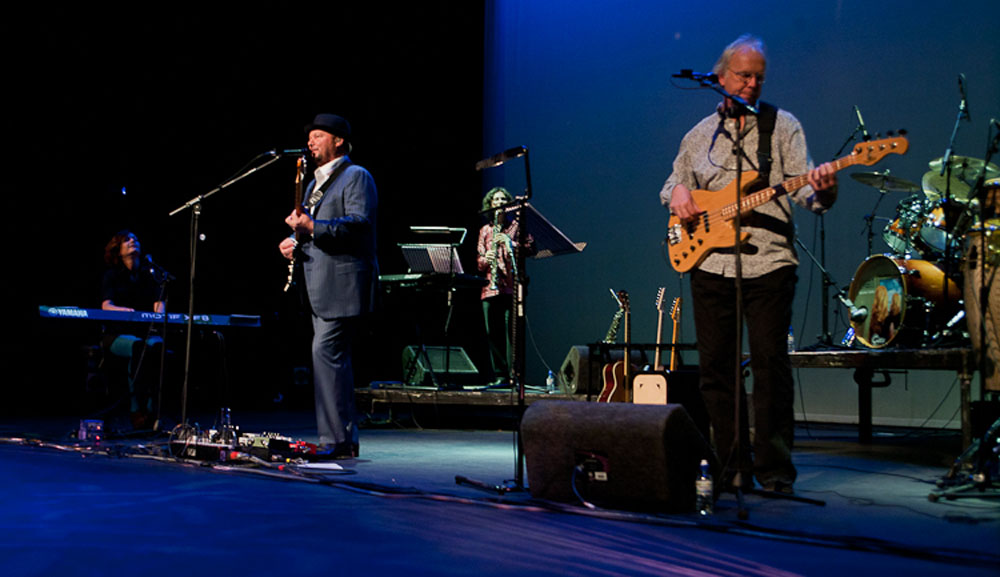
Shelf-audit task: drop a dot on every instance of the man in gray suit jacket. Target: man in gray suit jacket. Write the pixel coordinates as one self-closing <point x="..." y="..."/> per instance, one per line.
<point x="336" y="247"/>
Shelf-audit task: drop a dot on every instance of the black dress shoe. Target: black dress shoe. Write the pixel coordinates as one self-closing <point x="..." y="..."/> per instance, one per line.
<point x="780" y="487"/>
<point x="338" y="451"/>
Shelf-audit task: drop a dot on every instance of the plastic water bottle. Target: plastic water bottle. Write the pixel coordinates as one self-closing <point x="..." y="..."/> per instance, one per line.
<point x="791" y="340"/>
<point x="550" y="382"/>
<point x="704" y="497"/>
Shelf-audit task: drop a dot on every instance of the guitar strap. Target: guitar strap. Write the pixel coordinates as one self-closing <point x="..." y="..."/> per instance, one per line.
<point x="765" y="128"/>
<point x="317" y="194"/>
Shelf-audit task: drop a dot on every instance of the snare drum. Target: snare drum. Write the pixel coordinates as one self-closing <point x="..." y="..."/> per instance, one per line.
<point x="904" y="297"/>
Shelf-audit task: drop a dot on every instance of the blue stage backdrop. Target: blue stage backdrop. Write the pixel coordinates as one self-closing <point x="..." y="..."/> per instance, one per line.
<point x="587" y="88"/>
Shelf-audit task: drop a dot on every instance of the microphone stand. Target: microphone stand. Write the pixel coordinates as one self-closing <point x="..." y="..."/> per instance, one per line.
<point x="826" y="338"/>
<point x="736" y="449"/>
<point x="194" y="205"/>
<point x="856" y="314"/>
<point x="518" y="323"/>
<point x="963" y="112"/>
<point x="165" y="277"/>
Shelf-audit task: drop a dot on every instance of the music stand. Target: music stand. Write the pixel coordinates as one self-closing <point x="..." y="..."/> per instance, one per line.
<point x="436" y="258"/>
<point x="548" y="241"/>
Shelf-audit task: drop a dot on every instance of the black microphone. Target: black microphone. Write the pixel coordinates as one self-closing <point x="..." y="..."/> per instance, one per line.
<point x="287" y="151"/>
<point x="699" y="76"/>
<point x="155" y="267"/>
<point x="964" y="106"/>
<point x="861" y="125"/>
<point x="859" y="314"/>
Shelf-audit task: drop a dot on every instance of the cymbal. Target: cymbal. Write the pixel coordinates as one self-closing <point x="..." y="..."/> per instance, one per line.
<point x="965" y="168"/>
<point x="882" y="181"/>
<point x="935" y="186"/>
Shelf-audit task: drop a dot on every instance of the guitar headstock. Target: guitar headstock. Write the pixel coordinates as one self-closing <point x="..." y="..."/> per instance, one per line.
<point x="868" y="153"/>
<point x="675" y="310"/>
<point x="622" y="296"/>
<point x="659" y="298"/>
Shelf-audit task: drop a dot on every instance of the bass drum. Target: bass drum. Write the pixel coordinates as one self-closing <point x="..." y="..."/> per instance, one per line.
<point x="977" y="272"/>
<point x="905" y="299"/>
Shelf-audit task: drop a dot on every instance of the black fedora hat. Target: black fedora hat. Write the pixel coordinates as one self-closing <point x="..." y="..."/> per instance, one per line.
<point x="331" y="123"/>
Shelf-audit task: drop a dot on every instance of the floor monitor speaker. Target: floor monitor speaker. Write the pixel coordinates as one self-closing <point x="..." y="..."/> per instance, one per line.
<point x="614" y="455"/>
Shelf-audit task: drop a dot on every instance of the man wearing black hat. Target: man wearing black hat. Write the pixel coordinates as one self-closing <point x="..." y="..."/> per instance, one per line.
<point x="337" y="252"/>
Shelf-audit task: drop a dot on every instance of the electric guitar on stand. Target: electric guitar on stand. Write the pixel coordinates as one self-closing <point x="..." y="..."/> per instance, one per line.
<point x="650" y="387"/>
<point x="618" y="375"/>
<point x="690" y="242"/>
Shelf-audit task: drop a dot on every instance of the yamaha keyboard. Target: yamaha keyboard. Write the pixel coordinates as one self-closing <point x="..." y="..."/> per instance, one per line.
<point x="147" y="317"/>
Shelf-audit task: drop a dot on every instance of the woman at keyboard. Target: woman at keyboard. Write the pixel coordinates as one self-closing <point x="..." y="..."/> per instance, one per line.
<point x="128" y="286"/>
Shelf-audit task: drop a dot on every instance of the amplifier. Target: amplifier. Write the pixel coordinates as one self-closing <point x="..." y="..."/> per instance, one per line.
<point x="418" y="366"/>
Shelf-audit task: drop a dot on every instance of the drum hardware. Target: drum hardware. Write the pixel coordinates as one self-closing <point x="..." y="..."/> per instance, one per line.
<point x="951" y="324"/>
<point x="903" y="234"/>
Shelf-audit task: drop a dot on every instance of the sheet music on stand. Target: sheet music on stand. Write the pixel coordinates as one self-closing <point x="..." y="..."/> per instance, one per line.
<point x="435" y="257"/>
<point x="549" y="240"/>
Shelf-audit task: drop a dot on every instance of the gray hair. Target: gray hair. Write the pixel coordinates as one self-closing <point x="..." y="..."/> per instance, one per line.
<point x="744" y="42"/>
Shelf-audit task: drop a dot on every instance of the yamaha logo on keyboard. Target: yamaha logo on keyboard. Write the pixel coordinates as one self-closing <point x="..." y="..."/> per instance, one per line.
<point x="67" y="312"/>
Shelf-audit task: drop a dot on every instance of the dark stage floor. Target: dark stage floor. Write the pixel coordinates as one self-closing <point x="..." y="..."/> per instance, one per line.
<point x="398" y="510"/>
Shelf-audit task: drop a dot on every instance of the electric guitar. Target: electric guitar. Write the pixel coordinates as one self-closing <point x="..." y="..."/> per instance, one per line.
<point x="650" y="388"/>
<point x="675" y="316"/>
<point x="690" y="242"/>
<point x="659" y="328"/>
<point x="618" y="374"/>
<point x="300" y="178"/>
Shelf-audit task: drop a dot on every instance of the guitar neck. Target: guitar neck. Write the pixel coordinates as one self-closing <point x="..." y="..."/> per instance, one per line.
<point x="627" y="359"/>
<point x="753" y="200"/>
<point x="659" y="334"/>
<point x="300" y="179"/>
<point x="673" y="342"/>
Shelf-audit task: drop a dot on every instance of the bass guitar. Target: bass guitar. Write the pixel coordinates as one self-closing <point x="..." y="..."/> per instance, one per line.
<point x="690" y="242"/>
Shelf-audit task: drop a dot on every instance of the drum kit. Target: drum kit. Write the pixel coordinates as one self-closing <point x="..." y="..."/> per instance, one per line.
<point x="944" y="244"/>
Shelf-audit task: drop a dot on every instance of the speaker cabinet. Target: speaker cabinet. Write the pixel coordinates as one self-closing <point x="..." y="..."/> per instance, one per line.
<point x="583" y="374"/>
<point x="615" y="455"/>
<point x="418" y="367"/>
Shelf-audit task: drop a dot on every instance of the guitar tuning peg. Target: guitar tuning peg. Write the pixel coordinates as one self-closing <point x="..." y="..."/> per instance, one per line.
<point x="902" y="132"/>
<point x="890" y="133"/>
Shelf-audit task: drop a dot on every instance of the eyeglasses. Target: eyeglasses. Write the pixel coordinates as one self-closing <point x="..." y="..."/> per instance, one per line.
<point x="747" y="76"/>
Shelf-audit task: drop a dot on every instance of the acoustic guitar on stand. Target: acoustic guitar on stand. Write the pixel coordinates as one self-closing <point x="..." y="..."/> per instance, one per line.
<point x="690" y="242"/>
<point x="617" y="375"/>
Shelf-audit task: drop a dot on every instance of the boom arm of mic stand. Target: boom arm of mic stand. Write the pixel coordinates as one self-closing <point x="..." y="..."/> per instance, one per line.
<point x="716" y="87"/>
<point x="227" y="184"/>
